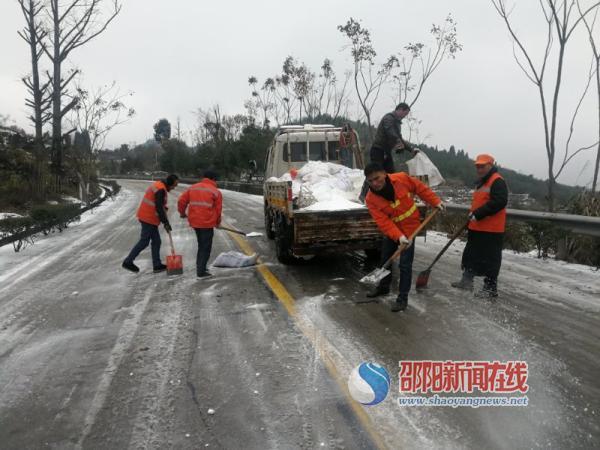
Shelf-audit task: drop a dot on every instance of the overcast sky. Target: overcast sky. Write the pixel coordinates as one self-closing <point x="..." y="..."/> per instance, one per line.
<point x="180" y="55"/>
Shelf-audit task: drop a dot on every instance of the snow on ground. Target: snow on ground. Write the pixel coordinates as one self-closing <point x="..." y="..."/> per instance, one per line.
<point x="7" y="215"/>
<point x="47" y="248"/>
<point x="547" y="280"/>
<point x="69" y="199"/>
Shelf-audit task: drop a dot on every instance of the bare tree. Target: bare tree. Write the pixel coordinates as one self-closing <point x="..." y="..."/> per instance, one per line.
<point x="33" y="35"/>
<point x="560" y="26"/>
<point x="70" y="25"/>
<point x="595" y="46"/>
<point x="413" y="68"/>
<point x="263" y="97"/>
<point x="39" y="100"/>
<point x="368" y="80"/>
<point x="97" y="112"/>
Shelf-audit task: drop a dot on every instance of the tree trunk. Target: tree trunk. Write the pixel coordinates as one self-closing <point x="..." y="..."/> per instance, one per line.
<point x="595" y="182"/>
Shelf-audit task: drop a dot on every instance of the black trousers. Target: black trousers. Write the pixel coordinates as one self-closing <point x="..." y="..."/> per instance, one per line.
<point x="149" y="234"/>
<point x="205" y="238"/>
<point x="483" y="254"/>
<point x="388" y="247"/>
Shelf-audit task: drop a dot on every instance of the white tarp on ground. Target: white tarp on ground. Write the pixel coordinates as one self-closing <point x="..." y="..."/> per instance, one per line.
<point x="421" y="165"/>
<point x="234" y="259"/>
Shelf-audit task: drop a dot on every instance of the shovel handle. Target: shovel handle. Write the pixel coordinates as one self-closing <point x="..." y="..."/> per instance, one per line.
<point x="233" y="230"/>
<point x="171" y="242"/>
<point x="412" y="236"/>
<point x="448" y="244"/>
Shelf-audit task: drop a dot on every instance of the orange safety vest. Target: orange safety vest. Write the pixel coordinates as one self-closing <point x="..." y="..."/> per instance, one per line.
<point x="400" y="217"/>
<point x="490" y="224"/>
<point x="147" y="210"/>
<point x="204" y="203"/>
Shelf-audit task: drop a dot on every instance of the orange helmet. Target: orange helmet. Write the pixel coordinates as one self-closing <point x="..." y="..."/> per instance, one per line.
<point x="293" y="173"/>
<point x="484" y="159"/>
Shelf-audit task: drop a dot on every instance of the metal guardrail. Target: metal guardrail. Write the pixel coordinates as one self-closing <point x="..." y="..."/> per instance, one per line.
<point x="577" y="224"/>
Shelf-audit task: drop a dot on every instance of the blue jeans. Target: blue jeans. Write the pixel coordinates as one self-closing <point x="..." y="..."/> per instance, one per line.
<point x="149" y="234"/>
<point x="205" y="238"/>
<point x="388" y="247"/>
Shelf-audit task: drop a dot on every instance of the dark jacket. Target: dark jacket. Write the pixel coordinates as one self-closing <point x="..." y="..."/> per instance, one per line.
<point x="388" y="135"/>
<point x="388" y="132"/>
<point x="498" y="196"/>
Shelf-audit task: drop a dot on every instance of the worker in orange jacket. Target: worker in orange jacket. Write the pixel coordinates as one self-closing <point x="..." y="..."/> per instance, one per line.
<point x="202" y="204"/>
<point x="151" y="213"/>
<point x="487" y="221"/>
<point x="391" y="204"/>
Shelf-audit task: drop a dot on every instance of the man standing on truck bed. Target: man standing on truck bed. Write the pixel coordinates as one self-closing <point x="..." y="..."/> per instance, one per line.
<point x="388" y="138"/>
<point x="390" y="202"/>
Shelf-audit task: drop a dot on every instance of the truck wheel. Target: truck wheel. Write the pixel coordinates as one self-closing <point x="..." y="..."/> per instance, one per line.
<point x="269" y="224"/>
<point x="373" y="254"/>
<point x="283" y="242"/>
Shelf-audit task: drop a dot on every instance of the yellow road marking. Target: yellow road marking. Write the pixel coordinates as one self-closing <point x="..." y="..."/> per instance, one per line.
<point x="318" y="341"/>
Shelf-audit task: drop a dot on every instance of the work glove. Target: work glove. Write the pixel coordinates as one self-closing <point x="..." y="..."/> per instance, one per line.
<point x="168" y="228"/>
<point x="399" y="147"/>
<point x="404" y="241"/>
<point x="472" y="217"/>
<point x="441" y="207"/>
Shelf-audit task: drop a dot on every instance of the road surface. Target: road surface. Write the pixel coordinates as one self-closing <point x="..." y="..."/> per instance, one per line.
<point x="92" y="356"/>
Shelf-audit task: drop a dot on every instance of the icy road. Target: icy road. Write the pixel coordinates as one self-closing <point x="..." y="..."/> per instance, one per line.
<point x="92" y="356"/>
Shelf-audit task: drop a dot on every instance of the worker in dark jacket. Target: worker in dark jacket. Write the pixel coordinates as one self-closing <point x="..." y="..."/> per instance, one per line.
<point x="151" y="213"/>
<point x="388" y="139"/>
<point x="487" y="221"/>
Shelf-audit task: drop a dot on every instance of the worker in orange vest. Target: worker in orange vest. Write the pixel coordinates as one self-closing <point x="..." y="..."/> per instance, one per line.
<point x="202" y="204"/>
<point x="487" y="219"/>
<point x="391" y="204"/>
<point x="151" y="213"/>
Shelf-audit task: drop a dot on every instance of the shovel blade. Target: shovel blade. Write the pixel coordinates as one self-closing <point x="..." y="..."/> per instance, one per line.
<point x="422" y="279"/>
<point x="375" y="276"/>
<point x="174" y="265"/>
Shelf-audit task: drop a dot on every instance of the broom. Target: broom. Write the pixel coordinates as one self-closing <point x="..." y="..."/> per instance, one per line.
<point x="174" y="262"/>
<point x="423" y="277"/>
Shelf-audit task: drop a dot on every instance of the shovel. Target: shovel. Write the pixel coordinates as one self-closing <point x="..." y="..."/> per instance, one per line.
<point x="233" y="230"/>
<point x="380" y="273"/>
<point x="174" y="262"/>
<point x="423" y="277"/>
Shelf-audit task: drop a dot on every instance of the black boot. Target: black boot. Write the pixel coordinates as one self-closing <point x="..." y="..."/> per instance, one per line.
<point x="400" y="304"/>
<point x="160" y="268"/>
<point x="489" y="290"/>
<point x="130" y="266"/>
<point x="379" y="290"/>
<point x="466" y="282"/>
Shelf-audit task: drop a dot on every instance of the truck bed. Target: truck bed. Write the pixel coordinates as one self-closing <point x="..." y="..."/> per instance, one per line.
<point x="340" y="230"/>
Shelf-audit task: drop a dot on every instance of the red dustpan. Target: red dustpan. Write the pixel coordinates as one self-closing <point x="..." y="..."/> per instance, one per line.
<point x="174" y="262"/>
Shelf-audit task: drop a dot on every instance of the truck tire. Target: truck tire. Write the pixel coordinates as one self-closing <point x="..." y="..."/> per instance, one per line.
<point x="373" y="254"/>
<point x="269" y="224"/>
<point x="283" y="242"/>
